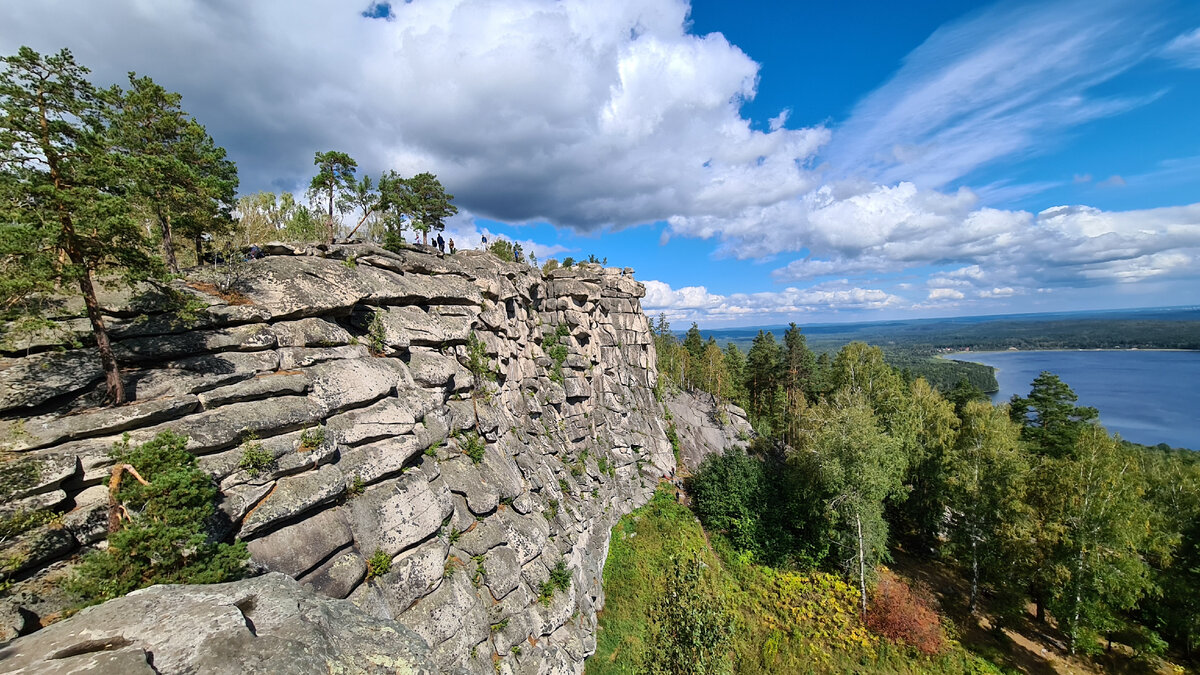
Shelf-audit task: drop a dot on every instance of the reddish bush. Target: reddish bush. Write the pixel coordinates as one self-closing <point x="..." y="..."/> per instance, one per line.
<point x="901" y="614"/>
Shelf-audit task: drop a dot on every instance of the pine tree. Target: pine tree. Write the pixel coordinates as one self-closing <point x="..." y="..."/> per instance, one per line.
<point x="179" y="175"/>
<point x="1052" y="422"/>
<point x="334" y="181"/>
<point x="761" y="377"/>
<point x="430" y="205"/>
<point x="65" y="213"/>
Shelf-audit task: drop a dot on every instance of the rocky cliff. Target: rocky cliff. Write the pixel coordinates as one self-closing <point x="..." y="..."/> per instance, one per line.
<point x="347" y="365"/>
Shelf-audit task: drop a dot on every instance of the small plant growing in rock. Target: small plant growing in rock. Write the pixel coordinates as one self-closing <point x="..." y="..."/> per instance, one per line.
<point x="255" y="457"/>
<point x="379" y="564"/>
<point x="350" y="262"/>
<point x="455" y="533"/>
<point x="473" y="447"/>
<point x="500" y="625"/>
<point x="377" y="335"/>
<point x="673" y="436"/>
<point x="312" y="438"/>
<point x="560" y="580"/>
<point x="516" y="650"/>
<point x="478" y="576"/>
<point x="356" y="487"/>
<point x="432" y="451"/>
<point x="556" y="349"/>
<point x="481" y="372"/>
<point x="562" y="485"/>
<point x="552" y="512"/>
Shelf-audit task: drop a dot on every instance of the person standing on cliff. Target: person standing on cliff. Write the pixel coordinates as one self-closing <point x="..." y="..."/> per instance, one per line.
<point x="441" y="244"/>
<point x="452" y="246"/>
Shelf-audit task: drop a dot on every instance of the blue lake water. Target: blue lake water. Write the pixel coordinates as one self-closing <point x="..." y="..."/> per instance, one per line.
<point x="1148" y="397"/>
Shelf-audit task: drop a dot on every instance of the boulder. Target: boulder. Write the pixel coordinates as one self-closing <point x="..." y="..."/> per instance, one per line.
<point x="267" y="624"/>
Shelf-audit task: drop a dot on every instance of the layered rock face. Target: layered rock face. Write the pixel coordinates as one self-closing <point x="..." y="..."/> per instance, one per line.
<point x="706" y="427"/>
<point x="347" y="366"/>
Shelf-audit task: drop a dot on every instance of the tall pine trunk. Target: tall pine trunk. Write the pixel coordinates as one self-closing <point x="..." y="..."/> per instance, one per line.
<point x="112" y="371"/>
<point x="164" y="222"/>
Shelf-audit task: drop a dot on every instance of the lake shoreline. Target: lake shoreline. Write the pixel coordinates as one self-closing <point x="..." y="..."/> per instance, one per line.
<point x="1147" y="395"/>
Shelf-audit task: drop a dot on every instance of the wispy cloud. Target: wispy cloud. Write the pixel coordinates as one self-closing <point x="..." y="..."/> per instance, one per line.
<point x="1002" y="81"/>
<point x="1185" y="49"/>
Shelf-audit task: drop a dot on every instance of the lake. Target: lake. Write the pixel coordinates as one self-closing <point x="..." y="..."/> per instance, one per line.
<point x="1148" y="397"/>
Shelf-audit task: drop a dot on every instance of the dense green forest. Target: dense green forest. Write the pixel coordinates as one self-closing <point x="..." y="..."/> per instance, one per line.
<point x="1032" y="503"/>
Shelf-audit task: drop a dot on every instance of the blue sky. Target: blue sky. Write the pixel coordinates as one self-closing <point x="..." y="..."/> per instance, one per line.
<point x="755" y="162"/>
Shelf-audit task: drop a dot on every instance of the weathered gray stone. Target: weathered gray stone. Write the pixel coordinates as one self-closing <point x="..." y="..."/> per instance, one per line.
<point x="50" y="429"/>
<point x="252" y="337"/>
<point x="704" y="428"/>
<point x="338" y="385"/>
<point x="369" y="463"/>
<point x="298" y="548"/>
<point x="35" y="548"/>
<point x="464" y="478"/>
<point x="414" y="574"/>
<point x="338" y="576"/>
<point x="294" y="496"/>
<point x="32" y="380"/>
<point x="291" y="358"/>
<point x="310" y="332"/>
<point x="88" y="521"/>
<point x="395" y="516"/>
<point x="36" y="473"/>
<point x="268" y="624"/>
<point x="502" y="571"/>
<point x="431" y="369"/>
<point x="385" y="419"/>
<point x="453" y="609"/>
<point x="263" y="386"/>
<point x="482" y="536"/>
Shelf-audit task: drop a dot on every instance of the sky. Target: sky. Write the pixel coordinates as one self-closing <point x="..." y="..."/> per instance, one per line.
<point x="755" y="162"/>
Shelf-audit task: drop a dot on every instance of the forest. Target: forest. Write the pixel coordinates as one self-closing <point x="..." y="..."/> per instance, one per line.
<point x="1034" y="504"/>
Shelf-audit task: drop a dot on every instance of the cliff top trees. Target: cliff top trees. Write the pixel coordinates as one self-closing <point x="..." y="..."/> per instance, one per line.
<point x="64" y="201"/>
<point x="180" y="177"/>
<point x="334" y="181"/>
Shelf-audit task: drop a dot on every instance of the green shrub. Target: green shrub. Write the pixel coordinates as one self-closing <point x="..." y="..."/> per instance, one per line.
<point x="312" y="438"/>
<point x="377" y="335"/>
<point x="166" y="542"/>
<point x="560" y="580"/>
<point x="473" y="447"/>
<point x="552" y="512"/>
<point x="255" y="458"/>
<point x="379" y="564"/>
<point x="691" y="627"/>
<point x="556" y="349"/>
<point x="673" y="437"/>
<point x="356" y="487"/>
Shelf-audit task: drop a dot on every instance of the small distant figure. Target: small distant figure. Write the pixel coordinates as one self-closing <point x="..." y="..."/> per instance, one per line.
<point x="441" y="244"/>
<point x="483" y="241"/>
<point x="451" y="246"/>
<point x="255" y="252"/>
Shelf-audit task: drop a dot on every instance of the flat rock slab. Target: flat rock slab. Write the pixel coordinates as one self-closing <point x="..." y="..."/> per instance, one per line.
<point x="40" y="432"/>
<point x="30" y="381"/>
<point x="397" y="515"/>
<point x="298" y="548"/>
<point x="293" y="496"/>
<point x="268" y="624"/>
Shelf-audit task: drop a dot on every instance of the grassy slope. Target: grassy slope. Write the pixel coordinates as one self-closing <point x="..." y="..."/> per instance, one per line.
<point x="786" y="622"/>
